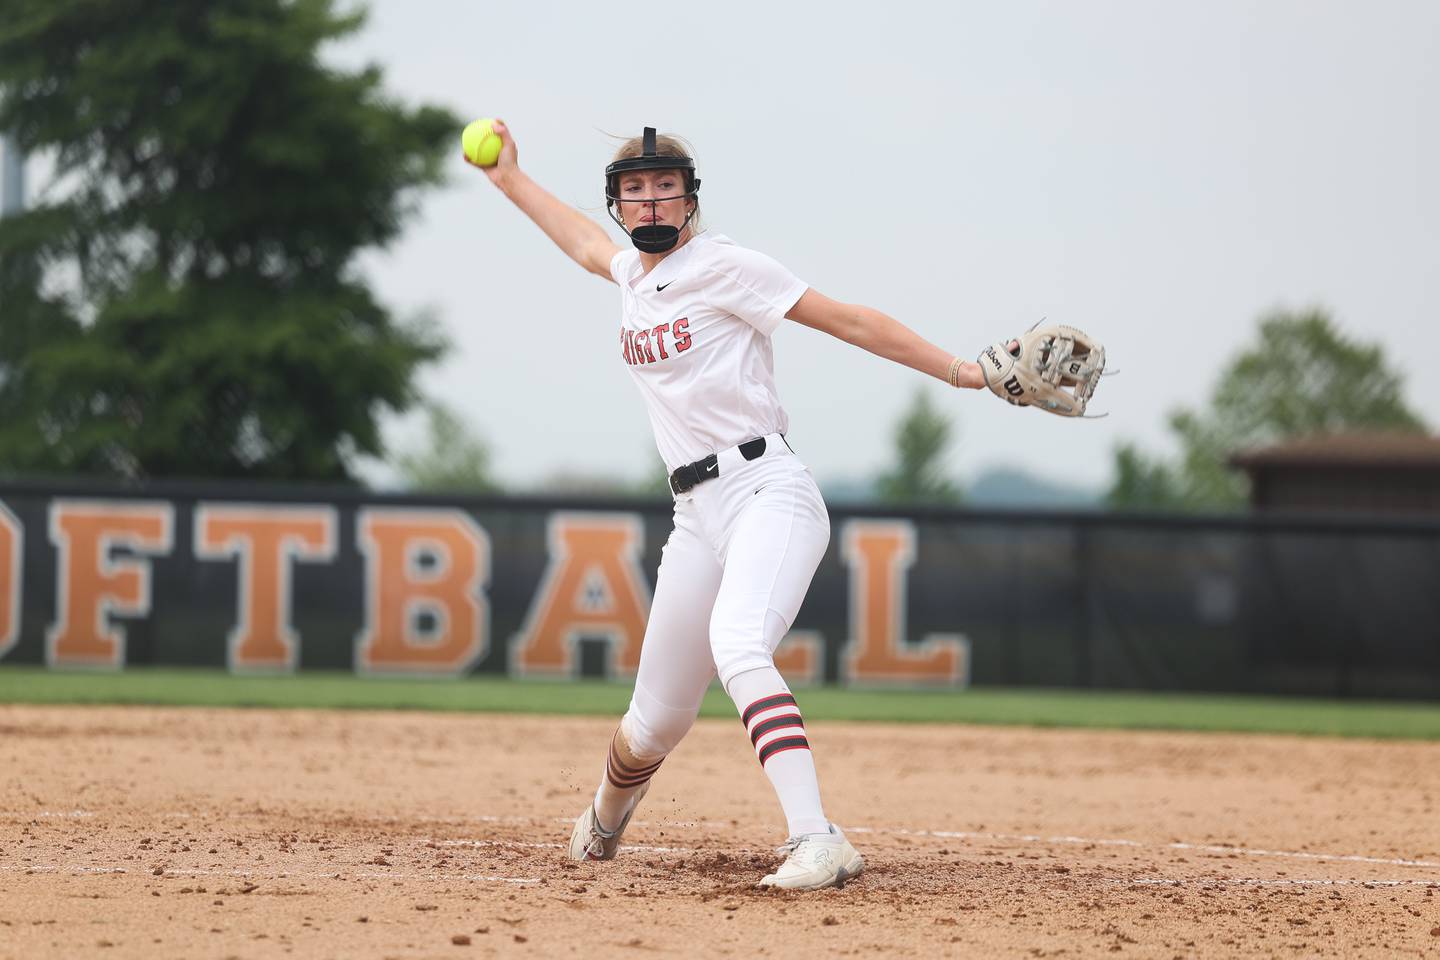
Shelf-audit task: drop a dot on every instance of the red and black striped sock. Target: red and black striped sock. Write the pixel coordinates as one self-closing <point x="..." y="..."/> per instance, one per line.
<point x="622" y="776"/>
<point x="777" y="732"/>
<point x="623" y="779"/>
<point x="776" y="721"/>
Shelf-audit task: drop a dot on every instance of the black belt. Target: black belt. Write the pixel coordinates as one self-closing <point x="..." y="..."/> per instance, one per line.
<point x="708" y="468"/>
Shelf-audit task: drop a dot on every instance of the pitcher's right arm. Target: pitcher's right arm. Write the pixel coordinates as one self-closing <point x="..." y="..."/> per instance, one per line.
<point x="582" y="239"/>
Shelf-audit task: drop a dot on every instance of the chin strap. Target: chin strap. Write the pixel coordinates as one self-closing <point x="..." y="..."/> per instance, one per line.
<point x="657" y="238"/>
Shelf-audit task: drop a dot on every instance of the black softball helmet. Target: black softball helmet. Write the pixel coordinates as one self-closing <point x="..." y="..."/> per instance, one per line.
<point x="650" y="238"/>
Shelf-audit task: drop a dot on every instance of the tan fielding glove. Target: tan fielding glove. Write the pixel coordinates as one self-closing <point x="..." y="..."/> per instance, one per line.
<point x="1055" y="368"/>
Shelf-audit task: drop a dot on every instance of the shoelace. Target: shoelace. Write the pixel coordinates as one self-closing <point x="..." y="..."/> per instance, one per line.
<point x="789" y="846"/>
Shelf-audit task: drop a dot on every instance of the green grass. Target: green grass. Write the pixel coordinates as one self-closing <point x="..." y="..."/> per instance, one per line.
<point x="1045" y="708"/>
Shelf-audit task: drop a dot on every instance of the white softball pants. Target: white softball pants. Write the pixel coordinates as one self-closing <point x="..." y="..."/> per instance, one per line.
<point x="732" y="577"/>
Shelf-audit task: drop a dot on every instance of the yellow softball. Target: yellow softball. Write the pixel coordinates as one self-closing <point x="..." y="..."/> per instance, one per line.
<point x="480" y="143"/>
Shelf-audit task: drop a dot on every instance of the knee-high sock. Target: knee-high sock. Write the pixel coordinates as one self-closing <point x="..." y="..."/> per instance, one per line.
<point x="772" y="721"/>
<point x="625" y="774"/>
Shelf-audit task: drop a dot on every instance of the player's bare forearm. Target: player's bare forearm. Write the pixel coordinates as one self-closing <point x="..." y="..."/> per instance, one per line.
<point x="582" y="239"/>
<point x="882" y="335"/>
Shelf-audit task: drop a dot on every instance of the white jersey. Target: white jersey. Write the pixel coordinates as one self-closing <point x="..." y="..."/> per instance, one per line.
<point x="695" y="332"/>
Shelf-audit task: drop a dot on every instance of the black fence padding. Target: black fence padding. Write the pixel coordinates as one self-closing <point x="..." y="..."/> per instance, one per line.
<point x="1310" y="605"/>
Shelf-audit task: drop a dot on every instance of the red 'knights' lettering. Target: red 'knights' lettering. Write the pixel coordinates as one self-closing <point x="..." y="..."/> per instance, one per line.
<point x="642" y="343"/>
<point x="639" y="346"/>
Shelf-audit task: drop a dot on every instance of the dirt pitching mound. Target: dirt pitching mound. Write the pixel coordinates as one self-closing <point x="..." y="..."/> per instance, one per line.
<point x="136" y="832"/>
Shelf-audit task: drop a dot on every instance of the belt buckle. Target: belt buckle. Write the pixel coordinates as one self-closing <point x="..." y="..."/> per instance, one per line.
<point x="684" y="478"/>
<point x="691" y="475"/>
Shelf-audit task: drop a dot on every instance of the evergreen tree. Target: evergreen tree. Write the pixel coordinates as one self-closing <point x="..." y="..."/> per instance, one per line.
<point x="918" y="475"/>
<point x="184" y="299"/>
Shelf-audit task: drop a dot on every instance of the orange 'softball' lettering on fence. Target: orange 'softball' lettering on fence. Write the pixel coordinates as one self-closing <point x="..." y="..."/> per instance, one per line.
<point x="593" y="587"/>
<point x="266" y="540"/>
<point x="94" y="582"/>
<point x="426" y="571"/>
<point x="798" y="657"/>
<point x="878" y="553"/>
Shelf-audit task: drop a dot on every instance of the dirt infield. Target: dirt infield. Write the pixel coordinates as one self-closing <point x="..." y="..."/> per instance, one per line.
<point x="153" y="833"/>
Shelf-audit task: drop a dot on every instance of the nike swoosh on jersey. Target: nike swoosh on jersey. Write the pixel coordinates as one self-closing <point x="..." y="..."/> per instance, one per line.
<point x="662" y="286"/>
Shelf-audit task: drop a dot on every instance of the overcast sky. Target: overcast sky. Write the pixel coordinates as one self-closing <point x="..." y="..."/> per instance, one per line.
<point x="1156" y="173"/>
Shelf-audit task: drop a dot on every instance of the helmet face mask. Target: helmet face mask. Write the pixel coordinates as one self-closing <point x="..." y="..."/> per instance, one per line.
<point x="653" y="237"/>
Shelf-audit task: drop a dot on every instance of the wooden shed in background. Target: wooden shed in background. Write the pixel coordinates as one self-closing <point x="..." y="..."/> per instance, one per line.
<point x="1352" y="473"/>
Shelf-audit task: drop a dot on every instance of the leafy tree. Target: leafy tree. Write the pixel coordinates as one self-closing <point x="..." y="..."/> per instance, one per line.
<point x="183" y="300"/>
<point x="1303" y="377"/>
<point x="1141" y="482"/>
<point x="920" y="440"/>
<point x="453" y="459"/>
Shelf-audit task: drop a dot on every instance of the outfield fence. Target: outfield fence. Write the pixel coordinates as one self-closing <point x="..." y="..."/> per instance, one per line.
<point x="278" y="578"/>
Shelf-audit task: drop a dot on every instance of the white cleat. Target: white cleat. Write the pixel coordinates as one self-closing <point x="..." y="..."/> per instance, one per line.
<point x="589" y="842"/>
<point x="816" y="861"/>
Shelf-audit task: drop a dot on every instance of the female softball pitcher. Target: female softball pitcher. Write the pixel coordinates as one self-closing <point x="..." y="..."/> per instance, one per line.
<point x="696" y="315"/>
